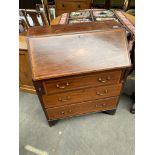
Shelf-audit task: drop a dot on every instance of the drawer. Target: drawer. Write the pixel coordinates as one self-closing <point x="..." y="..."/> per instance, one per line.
<point x="65" y="84"/>
<point x="81" y="95"/>
<point x="72" y="6"/>
<point x="82" y="108"/>
<point x="71" y="1"/>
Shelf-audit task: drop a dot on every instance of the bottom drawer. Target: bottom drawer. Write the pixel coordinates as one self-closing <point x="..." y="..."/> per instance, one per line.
<point x="82" y="108"/>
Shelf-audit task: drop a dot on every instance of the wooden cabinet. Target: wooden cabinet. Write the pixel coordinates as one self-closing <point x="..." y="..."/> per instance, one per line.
<point x="63" y="6"/>
<point x="25" y="78"/>
<point x="78" y="72"/>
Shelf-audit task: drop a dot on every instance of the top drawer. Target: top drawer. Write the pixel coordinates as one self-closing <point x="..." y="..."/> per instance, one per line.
<point x="95" y="79"/>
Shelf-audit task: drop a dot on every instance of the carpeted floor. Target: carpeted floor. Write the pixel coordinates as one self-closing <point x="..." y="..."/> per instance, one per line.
<point x="93" y="134"/>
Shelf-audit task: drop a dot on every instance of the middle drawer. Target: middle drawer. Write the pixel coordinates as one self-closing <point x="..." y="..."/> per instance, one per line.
<point x="81" y="95"/>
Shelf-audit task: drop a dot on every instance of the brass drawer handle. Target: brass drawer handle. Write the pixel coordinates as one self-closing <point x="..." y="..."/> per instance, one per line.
<point x="62" y="87"/>
<point x="101" y="94"/>
<point x="100" y="105"/>
<point x="63" y="112"/>
<point x="69" y="111"/>
<point x="63" y="5"/>
<point x="103" y="80"/>
<point x="64" y="99"/>
<point x="79" y="6"/>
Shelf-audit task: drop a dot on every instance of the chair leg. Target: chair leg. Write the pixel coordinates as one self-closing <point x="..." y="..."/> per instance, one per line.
<point x="132" y="110"/>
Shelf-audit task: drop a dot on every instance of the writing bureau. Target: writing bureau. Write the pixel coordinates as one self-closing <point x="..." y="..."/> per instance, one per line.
<point x="25" y="79"/>
<point x="76" y="73"/>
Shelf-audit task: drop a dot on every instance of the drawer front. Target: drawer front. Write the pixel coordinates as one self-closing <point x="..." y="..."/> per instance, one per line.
<point x="82" y="108"/>
<point x="71" y="6"/>
<point x="71" y="1"/>
<point x="104" y="78"/>
<point x="81" y="95"/>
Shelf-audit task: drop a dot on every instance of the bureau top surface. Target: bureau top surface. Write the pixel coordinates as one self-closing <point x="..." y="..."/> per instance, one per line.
<point x="77" y="53"/>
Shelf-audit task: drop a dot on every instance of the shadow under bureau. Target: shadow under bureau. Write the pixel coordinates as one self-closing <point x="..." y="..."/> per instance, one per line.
<point x="79" y="72"/>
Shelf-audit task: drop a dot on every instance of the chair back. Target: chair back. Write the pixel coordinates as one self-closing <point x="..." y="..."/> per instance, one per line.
<point x="23" y="27"/>
<point x="39" y="7"/>
<point x="35" y="18"/>
<point x="129" y="4"/>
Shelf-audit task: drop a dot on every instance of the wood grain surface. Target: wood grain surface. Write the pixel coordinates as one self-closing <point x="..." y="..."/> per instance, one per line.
<point x="76" y="53"/>
<point x="70" y="28"/>
<point x="82" y="108"/>
<point x="62" y="6"/>
<point x="82" y="81"/>
<point x="81" y="95"/>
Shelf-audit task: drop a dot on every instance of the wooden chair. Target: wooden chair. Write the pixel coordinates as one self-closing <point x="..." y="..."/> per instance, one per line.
<point x="126" y="4"/>
<point x="131" y="7"/>
<point x="132" y="109"/>
<point x="23" y="27"/>
<point x="35" y="18"/>
<point x="39" y="7"/>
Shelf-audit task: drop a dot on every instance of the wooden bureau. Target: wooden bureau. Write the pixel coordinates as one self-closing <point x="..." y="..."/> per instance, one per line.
<point x="75" y="73"/>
